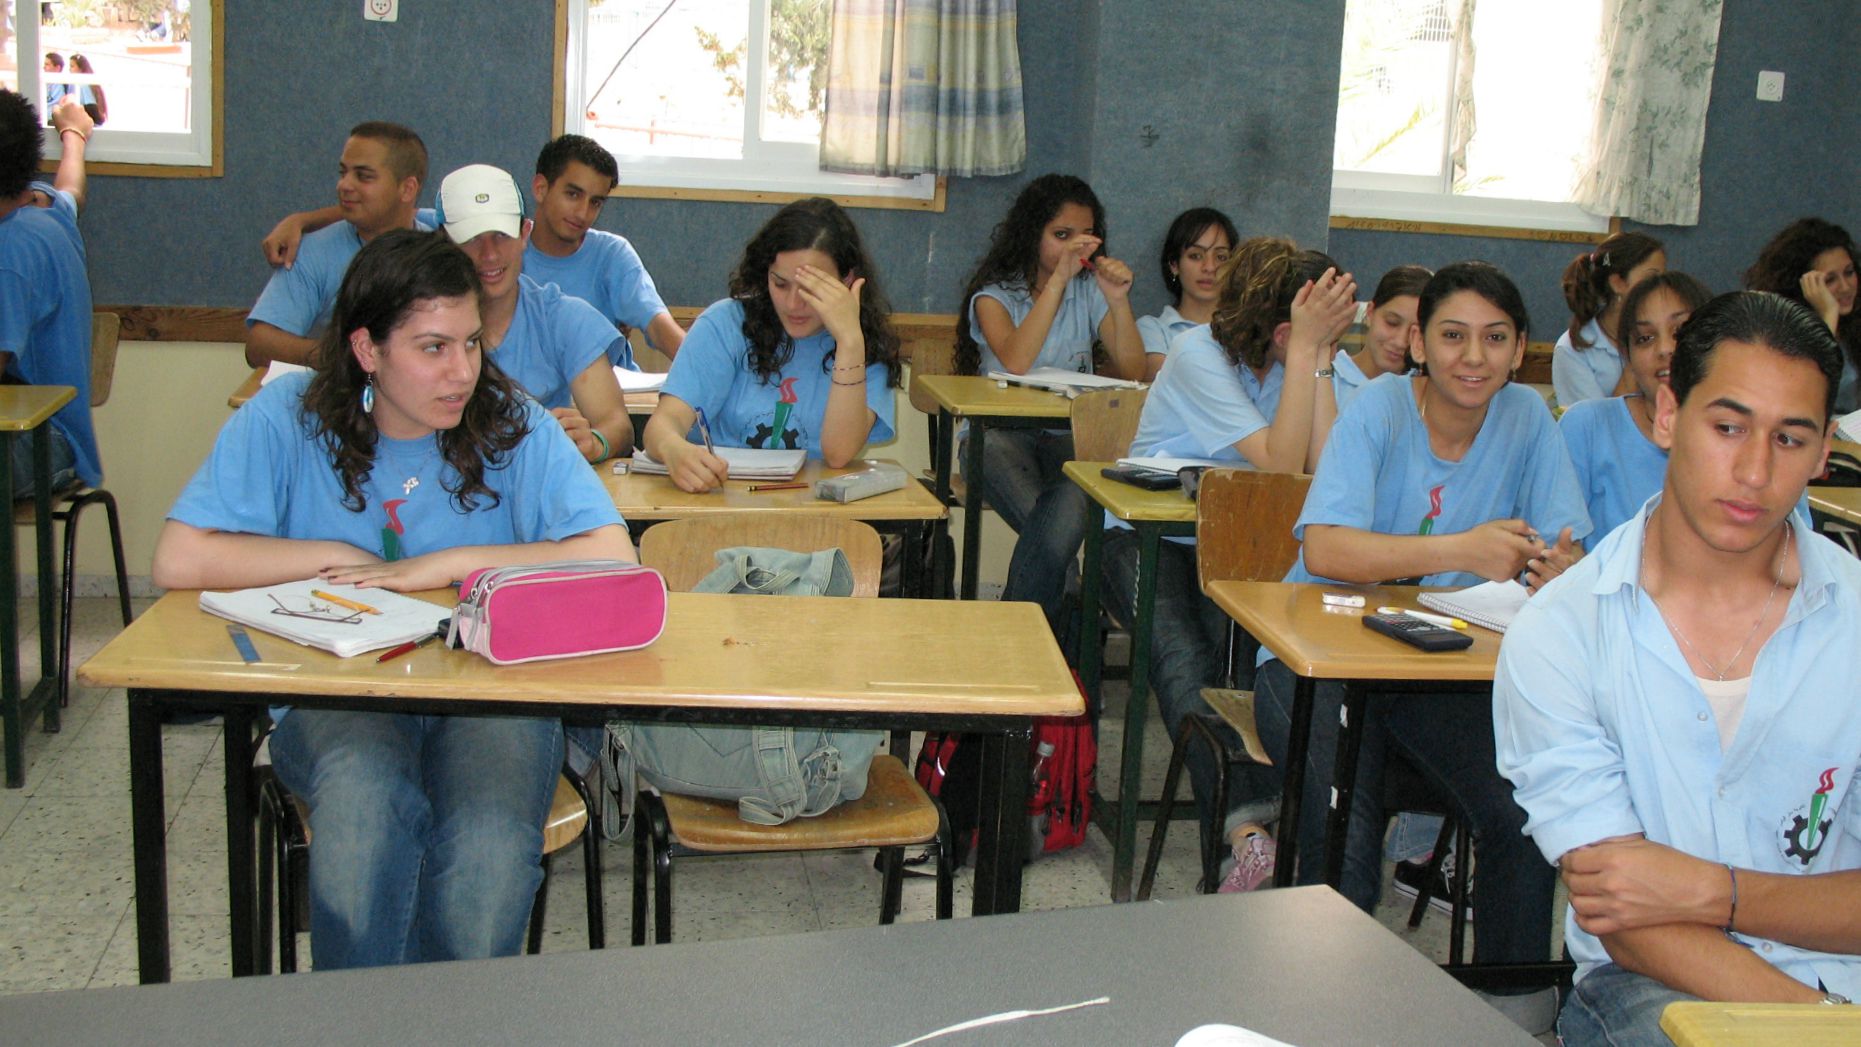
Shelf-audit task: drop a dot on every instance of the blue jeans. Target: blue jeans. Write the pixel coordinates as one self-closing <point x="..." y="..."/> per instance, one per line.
<point x="427" y="831"/>
<point x="1021" y="477"/>
<point x="1612" y="1007"/>
<point x="1188" y="639"/>
<point x="1448" y="740"/>
<point x="64" y="464"/>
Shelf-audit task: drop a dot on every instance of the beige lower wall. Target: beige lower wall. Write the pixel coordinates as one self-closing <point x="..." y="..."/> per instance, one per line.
<point x="169" y="400"/>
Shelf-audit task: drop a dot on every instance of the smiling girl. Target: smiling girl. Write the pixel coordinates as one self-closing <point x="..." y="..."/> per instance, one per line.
<point x="1813" y="262"/>
<point x="1194" y="250"/>
<point x="1389" y="320"/>
<point x="801" y="355"/>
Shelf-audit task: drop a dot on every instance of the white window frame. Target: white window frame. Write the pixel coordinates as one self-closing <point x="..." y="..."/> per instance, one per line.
<point x="781" y="168"/>
<point x="193" y="152"/>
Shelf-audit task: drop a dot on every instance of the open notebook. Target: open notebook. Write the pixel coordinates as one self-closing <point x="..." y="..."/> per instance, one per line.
<point x="746" y="463"/>
<point x="1489" y="604"/>
<point x="1848" y="427"/>
<point x="1059" y="380"/>
<point x="295" y="612"/>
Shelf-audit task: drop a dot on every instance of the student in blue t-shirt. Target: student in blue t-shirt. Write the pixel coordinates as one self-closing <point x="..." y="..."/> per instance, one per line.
<point x="801" y="355"/>
<point x="1611" y="441"/>
<point x="1388" y="323"/>
<point x="1250" y="389"/>
<point x="378" y="180"/>
<point x="554" y="346"/>
<point x="1194" y="250"/>
<point x="45" y="302"/>
<point x="1451" y="475"/>
<point x="1586" y="363"/>
<point x="405" y="462"/>
<point x="1042" y="296"/>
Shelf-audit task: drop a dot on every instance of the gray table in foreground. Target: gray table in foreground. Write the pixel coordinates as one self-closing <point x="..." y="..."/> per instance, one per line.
<point x="1298" y="964"/>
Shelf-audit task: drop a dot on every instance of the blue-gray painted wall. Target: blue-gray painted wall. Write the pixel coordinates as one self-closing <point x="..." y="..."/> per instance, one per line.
<point x="1239" y="93"/>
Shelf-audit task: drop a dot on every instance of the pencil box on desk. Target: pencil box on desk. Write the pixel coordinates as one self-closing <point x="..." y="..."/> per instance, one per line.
<point x="876" y="478"/>
<point x="559" y="610"/>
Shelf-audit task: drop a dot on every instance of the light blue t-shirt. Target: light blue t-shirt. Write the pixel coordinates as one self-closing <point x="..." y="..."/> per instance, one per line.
<point x="606" y="272"/>
<point x="1586" y="374"/>
<point x="1070" y="337"/>
<point x="1603" y="730"/>
<point x="1201" y="405"/>
<point x="552" y="339"/>
<point x="1346" y="378"/>
<point x="298" y="300"/>
<point x="712" y="372"/>
<point x="1378" y="473"/>
<point x="45" y="310"/>
<point x="1159" y="332"/>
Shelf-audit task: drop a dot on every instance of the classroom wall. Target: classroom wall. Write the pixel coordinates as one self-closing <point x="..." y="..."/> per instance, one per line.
<point x="1764" y="163"/>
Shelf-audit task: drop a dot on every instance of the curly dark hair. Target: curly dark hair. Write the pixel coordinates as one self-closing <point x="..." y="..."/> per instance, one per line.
<point x="1013" y="257"/>
<point x="1781" y="265"/>
<point x="562" y="149"/>
<point x="1586" y="278"/>
<point x="392" y="274"/>
<point x="1255" y="293"/>
<point x="21" y="144"/>
<point x="813" y="224"/>
<point x="1184" y="232"/>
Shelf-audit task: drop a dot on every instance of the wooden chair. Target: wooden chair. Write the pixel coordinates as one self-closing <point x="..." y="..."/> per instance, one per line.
<point x="933" y="358"/>
<point x="284" y="845"/>
<point x="69" y="503"/>
<point x="1105" y="422"/>
<point x="895" y="811"/>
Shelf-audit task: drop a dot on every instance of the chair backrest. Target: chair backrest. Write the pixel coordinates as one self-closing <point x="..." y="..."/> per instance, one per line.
<point x="1104" y="422"/>
<point x="1243" y="524"/>
<point x="105" y="330"/>
<point x="930" y="357"/>
<point x="684" y="550"/>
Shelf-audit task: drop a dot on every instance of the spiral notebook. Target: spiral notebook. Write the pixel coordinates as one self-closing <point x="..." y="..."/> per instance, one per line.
<point x="746" y="463"/>
<point x="301" y="613"/>
<point x="1490" y="605"/>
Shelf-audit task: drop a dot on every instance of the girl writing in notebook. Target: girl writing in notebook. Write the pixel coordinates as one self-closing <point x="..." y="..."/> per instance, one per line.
<point x="800" y="356"/>
<point x="405" y="461"/>
<point x="1451" y="476"/>
<point x="1249" y="388"/>
<point x="1194" y="250"/>
<point x="1586" y="363"/>
<point x="1813" y="262"/>
<point x="1042" y="296"/>
<point x="1388" y="322"/>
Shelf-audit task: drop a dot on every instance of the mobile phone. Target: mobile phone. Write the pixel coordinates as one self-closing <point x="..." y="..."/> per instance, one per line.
<point x="1417" y="633"/>
<point x="1148" y="479"/>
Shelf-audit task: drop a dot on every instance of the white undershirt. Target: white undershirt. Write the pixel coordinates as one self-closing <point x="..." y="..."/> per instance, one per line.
<point x="1727" y="698"/>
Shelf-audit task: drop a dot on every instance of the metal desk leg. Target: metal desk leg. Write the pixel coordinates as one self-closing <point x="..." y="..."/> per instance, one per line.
<point x="48" y="591"/>
<point x="941" y="454"/>
<point x="1001" y="847"/>
<point x="1298" y="739"/>
<point x="150" y="836"/>
<point x="972" y="507"/>
<point x="241" y="853"/>
<point x="1344" y="785"/>
<point x="912" y="581"/>
<point x="1091" y="653"/>
<point x="1131" y="763"/>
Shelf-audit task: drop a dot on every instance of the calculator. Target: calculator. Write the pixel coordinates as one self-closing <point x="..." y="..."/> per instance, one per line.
<point x="1417" y="633"/>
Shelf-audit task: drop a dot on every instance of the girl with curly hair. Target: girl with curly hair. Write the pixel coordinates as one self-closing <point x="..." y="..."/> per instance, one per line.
<point x="1586" y="363"/>
<point x="801" y="355"/>
<point x="1813" y="262"/>
<point x="405" y="461"/>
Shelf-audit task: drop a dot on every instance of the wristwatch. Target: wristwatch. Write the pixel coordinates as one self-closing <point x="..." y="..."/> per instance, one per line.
<point x="1324" y="372"/>
<point x="1833" y="998"/>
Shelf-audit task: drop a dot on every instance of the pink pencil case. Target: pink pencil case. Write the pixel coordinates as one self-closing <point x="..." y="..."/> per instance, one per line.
<point x="558" y="610"/>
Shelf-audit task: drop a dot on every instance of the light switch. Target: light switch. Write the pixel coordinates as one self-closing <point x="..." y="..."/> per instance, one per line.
<point x="1770" y="86"/>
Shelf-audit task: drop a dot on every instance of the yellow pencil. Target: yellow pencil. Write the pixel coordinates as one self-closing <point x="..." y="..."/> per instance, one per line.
<point x="340" y="602"/>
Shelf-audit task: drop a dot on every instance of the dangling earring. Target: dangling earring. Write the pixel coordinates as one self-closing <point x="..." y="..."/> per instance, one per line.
<point x="368" y="396"/>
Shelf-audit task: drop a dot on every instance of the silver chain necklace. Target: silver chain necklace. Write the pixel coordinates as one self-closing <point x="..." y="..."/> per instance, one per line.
<point x="1776" y="584"/>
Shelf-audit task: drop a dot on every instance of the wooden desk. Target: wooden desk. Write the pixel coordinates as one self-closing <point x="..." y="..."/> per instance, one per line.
<point x="982" y="667"/>
<point x="911" y="511"/>
<point x="986" y="404"/>
<point x="1761" y="1025"/>
<point x="27" y="409"/>
<point x="1280" y="962"/>
<point x="1153" y="515"/>
<point x="1319" y="643"/>
<point x="1843" y="503"/>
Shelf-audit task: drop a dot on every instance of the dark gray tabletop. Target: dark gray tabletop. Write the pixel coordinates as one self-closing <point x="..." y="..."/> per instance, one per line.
<point x="1301" y="965"/>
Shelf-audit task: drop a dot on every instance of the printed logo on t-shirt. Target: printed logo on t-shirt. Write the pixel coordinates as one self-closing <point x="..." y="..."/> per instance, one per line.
<point x="1805" y="829"/>
<point x="391" y="534"/>
<point x="1434" y="510"/>
<point x="776" y="434"/>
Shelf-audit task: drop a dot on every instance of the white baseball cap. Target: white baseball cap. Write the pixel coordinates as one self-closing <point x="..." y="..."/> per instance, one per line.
<point x="479" y="198"/>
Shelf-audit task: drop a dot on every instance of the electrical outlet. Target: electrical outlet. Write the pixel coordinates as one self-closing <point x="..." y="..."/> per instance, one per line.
<point x="381" y="10"/>
<point x="1770" y="86"/>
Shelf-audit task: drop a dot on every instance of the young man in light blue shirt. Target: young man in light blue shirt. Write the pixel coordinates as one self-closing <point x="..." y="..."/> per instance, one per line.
<point x="1678" y="712"/>
<point x="379" y="176"/>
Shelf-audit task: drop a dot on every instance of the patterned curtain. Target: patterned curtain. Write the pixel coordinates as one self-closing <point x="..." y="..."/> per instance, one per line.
<point x="1651" y="111"/>
<point x="1463" y="115"/>
<point x="923" y="87"/>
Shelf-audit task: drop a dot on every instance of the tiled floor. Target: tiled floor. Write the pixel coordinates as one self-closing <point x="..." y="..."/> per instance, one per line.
<point x="66" y="892"/>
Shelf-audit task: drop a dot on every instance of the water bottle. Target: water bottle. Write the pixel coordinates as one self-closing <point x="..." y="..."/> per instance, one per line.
<point x="1039" y="795"/>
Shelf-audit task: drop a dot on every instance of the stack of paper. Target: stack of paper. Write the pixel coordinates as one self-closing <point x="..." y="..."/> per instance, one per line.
<point x="302" y="612"/>
<point x="278" y="369"/>
<point x="1172" y="466"/>
<point x="638" y="381"/>
<point x="1848" y="427"/>
<point x="746" y="463"/>
<point x="1067" y="383"/>
<point x="1490" y="604"/>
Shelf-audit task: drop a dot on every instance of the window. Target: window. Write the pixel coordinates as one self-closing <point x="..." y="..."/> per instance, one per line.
<point x="710" y="97"/>
<point x="1533" y="88"/>
<point x="146" y="70"/>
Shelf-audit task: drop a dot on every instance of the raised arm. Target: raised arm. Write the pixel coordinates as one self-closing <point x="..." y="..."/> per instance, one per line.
<point x="1308" y="404"/>
<point x="280" y="245"/>
<point x="1118" y="330"/>
<point x="74" y="129"/>
<point x="846" y="422"/>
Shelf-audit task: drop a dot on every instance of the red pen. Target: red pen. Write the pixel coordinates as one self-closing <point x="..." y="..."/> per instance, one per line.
<point x="409" y="646"/>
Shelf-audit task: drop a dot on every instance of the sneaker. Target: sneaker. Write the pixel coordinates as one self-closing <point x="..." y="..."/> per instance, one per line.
<point x="1410" y="876"/>
<point x="1253" y="864"/>
<point x="1534" y="1012"/>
